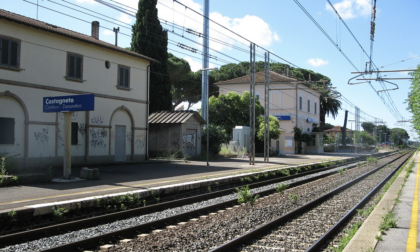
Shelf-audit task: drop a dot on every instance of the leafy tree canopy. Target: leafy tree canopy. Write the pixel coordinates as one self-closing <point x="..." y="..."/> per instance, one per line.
<point x="414" y="99"/>
<point x="328" y="126"/>
<point x="231" y="110"/>
<point x="368" y="127"/>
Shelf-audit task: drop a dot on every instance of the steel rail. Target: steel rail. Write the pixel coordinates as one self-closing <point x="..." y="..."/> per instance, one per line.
<point x="245" y="238"/>
<point x="30" y="235"/>
<point x="148" y="227"/>
<point x="349" y="214"/>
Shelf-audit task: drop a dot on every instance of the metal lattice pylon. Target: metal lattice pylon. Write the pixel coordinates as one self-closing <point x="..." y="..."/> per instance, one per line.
<point x="252" y="106"/>
<point x="357" y="127"/>
<point x="267" y="108"/>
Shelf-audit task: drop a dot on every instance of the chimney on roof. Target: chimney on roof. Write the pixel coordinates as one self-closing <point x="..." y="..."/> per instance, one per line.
<point x="95" y="29"/>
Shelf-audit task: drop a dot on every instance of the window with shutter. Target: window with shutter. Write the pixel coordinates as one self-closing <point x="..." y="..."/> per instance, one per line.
<point x="9" y="53"/>
<point x="75" y="66"/>
<point x="124" y="77"/>
<point x="7" y="130"/>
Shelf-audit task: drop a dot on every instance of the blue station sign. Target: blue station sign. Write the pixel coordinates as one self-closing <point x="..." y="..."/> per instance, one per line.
<point x="84" y="102"/>
<point x="283" y="118"/>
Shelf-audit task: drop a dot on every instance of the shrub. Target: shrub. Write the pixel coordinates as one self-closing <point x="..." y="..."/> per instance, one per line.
<point x="245" y="196"/>
<point x="217" y="136"/>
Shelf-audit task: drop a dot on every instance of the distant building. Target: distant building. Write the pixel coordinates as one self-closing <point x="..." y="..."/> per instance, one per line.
<point x="40" y="60"/>
<point x="292" y="101"/>
<point x="335" y="132"/>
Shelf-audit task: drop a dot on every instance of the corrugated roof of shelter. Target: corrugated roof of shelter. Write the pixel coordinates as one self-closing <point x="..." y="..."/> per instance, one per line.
<point x="13" y="17"/>
<point x="259" y="78"/>
<point x="175" y="117"/>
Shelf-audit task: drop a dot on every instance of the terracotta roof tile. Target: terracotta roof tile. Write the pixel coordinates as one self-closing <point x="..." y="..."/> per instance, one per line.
<point x="13" y="17"/>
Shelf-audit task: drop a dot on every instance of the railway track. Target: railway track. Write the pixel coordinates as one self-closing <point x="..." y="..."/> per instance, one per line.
<point x="309" y="227"/>
<point x="150" y="225"/>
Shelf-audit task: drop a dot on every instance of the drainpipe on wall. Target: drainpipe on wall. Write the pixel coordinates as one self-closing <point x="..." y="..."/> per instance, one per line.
<point x="147" y="112"/>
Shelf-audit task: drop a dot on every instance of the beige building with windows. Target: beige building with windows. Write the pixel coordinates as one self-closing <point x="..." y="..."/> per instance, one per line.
<point x="292" y="101"/>
<point x="39" y="60"/>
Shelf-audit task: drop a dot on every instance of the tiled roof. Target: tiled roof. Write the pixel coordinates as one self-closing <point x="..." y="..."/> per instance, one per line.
<point x="13" y="17"/>
<point x="335" y="129"/>
<point x="259" y="78"/>
<point x="175" y="117"/>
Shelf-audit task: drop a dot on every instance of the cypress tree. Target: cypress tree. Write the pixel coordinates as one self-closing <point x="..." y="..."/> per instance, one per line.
<point x="150" y="40"/>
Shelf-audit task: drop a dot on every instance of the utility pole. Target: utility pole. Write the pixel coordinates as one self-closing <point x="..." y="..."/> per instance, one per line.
<point x="357" y="127"/>
<point x="267" y="108"/>
<point x="252" y="106"/>
<point x="116" y="30"/>
<point x="344" y="129"/>
<point x="205" y="74"/>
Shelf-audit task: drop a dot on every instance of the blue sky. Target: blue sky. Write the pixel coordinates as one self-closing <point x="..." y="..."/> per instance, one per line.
<point x="282" y="28"/>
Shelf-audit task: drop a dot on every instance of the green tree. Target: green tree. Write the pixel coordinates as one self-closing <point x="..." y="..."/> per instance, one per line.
<point x="274" y="126"/>
<point x="328" y="126"/>
<point x="399" y="136"/>
<point x="367" y="139"/>
<point x="368" y="127"/>
<point x="151" y="40"/>
<point x="217" y="136"/>
<point x="329" y="105"/>
<point x="383" y="133"/>
<point x="231" y="110"/>
<point x="414" y="99"/>
<point x="185" y="84"/>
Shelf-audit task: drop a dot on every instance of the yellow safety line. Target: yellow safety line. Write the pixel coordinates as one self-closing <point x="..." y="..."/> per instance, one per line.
<point x="412" y="233"/>
<point x="85" y="192"/>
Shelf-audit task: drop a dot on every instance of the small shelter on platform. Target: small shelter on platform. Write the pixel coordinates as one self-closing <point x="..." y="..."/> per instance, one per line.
<point x="176" y="131"/>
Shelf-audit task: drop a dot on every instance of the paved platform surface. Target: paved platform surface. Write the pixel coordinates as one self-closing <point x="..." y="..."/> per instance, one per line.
<point x="124" y="178"/>
<point x="406" y="236"/>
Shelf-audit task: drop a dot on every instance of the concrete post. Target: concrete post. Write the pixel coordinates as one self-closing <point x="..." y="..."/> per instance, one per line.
<point x="67" y="145"/>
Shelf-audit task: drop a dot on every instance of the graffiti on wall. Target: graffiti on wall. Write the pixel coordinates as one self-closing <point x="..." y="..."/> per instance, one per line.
<point x="129" y="137"/>
<point x="97" y="137"/>
<point x="140" y="141"/>
<point x="81" y="129"/>
<point x="97" y="120"/>
<point x="189" y="139"/>
<point x="175" y="140"/>
<point x="73" y="115"/>
<point x="42" y="136"/>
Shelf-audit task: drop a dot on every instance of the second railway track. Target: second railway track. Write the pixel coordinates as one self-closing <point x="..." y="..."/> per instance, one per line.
<point x="154" y="222"/>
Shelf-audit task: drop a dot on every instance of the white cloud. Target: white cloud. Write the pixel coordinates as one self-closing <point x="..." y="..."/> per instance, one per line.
<point x="317" y="62"/>
<point x="351" y="8"/>
<point x="196" y="64"/>
<point x="250" y="27"/>
<point x="125" y="18"/>
<point x="108" y="32"/>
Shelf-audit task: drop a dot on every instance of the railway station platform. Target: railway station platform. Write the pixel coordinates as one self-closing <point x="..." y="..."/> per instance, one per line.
<point x="153" y="174"/>
<point x="124" y="178"/>
<point x="405" y="236"/>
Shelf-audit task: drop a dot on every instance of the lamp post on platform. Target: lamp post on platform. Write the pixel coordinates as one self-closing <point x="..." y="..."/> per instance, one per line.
<point x="206" y="113"/>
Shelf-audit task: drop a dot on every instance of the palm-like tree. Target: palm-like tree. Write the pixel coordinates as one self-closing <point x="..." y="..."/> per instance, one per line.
<point x="329" y="104"/>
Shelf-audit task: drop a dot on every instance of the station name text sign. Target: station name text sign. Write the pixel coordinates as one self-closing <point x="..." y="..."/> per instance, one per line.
<point x="84" y="102"/>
